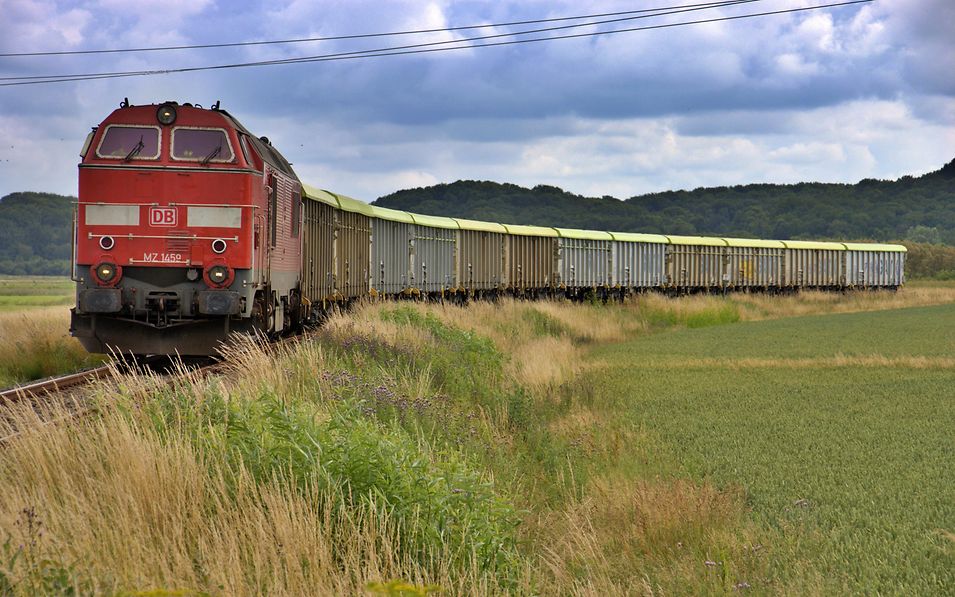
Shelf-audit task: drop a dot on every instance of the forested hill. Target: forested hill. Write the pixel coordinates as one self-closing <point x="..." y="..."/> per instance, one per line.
<point x="35" y="227"/>
<point x="920" y="209"/>
<point x="35" y="233"/>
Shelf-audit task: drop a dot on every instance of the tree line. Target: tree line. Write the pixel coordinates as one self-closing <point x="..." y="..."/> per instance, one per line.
<point x="917" y="211"/>
<point x="35" y="233"/>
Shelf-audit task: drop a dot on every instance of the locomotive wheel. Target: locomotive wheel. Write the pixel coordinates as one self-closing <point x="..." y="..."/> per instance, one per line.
<point x="263" y="313"/>
<point x="294" y="311"/>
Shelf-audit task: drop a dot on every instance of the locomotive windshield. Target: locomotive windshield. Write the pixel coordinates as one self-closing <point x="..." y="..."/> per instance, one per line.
<point x="201" y="145"/>
<point x="122" y="142"/>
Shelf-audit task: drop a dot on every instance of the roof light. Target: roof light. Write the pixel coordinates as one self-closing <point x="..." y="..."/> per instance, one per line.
<point x="166" y="114"/>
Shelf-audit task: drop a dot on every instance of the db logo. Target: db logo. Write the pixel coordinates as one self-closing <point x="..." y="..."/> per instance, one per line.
<point x="162" y="216"/>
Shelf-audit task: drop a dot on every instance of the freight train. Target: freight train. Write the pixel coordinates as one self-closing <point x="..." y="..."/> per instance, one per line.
<point x="189" y="227"/>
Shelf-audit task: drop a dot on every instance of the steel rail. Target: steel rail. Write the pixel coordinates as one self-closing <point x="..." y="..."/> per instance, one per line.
<point x="52" y="385"/>
<point x="62" y="383"/>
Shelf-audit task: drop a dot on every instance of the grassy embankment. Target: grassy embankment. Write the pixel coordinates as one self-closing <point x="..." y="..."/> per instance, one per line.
<point x="34" y="329"/>
<point x="524" y="447"/>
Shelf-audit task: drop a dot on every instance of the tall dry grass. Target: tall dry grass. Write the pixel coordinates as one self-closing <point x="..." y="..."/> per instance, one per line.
<point x="241" y="484"/>
<point x="107" y="506"/>
<point x="36" y="343"/>
<point x="658" y="536"/>
<point x="543" y="341"/>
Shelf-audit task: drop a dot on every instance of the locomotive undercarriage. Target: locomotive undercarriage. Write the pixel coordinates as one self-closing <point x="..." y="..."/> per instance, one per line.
<point x="161" y="311"/>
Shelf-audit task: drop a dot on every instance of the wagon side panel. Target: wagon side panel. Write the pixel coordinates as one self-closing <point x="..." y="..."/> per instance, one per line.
<point x="318" y="258"/>
<point x="391" y="256"/>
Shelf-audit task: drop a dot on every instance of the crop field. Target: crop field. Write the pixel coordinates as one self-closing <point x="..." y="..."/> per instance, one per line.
<point x="702" y="445"/>
<point x="21" y="292"/>
<point x="835" y="430"/>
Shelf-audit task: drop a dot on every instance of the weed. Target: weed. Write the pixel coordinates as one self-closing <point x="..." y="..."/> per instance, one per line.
<point x="27" y="568"/>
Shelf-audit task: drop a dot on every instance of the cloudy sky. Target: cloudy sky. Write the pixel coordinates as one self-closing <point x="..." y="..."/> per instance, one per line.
<point x="832" y="95"/>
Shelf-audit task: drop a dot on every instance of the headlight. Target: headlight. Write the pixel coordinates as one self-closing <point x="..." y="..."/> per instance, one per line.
<point x="218" y="246"/>
<point x="106" y="243"/>
<point x="218" y="275"/>
<point x="166" y="114"/>
<point x="105" y="272"/>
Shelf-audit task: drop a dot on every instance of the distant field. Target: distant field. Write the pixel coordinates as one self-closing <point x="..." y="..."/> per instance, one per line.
<point x="836" y="429"/>
<point x="927" y="283"/>
<point x="21" y="292"/>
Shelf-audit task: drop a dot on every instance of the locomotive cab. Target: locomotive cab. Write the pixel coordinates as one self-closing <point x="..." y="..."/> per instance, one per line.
<point x="184" y="232"/>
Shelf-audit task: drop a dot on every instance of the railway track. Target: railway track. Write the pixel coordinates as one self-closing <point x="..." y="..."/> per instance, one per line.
<point x="67" y="390"/>
<point x="62" y="383"/>
<point x="53" y="385"/>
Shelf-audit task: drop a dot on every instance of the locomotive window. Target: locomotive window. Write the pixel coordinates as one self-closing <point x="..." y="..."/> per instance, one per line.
<point x="124" y="142"/>
<point x="201" y="145"/>
<point x="86" y="144"/>
<point x="251" y="158"/>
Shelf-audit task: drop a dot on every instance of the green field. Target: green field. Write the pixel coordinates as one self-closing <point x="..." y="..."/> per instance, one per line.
<point x="838" y="429"/>
<point x="22" y="292"/>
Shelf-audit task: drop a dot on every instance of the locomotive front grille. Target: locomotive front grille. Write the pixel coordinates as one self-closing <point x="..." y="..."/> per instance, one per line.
<point x="178" y="242"/>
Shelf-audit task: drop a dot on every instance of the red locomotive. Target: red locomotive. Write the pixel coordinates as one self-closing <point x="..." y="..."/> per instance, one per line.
<point x="188" y="227"/>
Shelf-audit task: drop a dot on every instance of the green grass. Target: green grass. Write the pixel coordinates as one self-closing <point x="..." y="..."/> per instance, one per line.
<point x="849" y="469"/>
<point x="930" y="283"/>
<point x="23" y="292"/>
<point x="923" y="331"/>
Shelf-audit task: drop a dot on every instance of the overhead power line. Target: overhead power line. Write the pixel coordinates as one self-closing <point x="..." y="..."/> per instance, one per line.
<point x="361" y="35"/>
<point x="391" y="49"/>
<point x="417" y="48"/>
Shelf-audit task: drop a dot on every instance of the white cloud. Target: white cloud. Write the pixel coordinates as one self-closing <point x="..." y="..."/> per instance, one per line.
<point x="794" y="65"/>
<point x="835" y="96"/>
<point x="37" y="24"/>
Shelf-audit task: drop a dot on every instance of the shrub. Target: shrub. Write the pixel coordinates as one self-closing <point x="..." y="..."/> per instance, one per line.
<point x="443" y="511"/>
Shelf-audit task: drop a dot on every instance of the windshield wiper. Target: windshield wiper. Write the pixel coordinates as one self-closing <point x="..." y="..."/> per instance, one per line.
<point x="211" y="155"/>
<point x="135" y="151"/>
